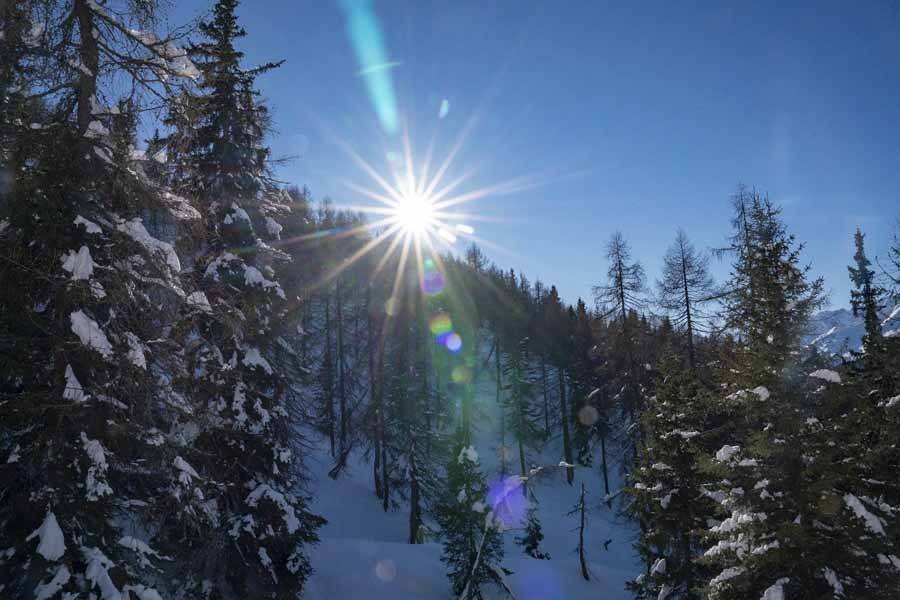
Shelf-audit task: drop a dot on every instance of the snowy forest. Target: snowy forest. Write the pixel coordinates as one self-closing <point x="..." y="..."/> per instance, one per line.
<point x="215" y="385"/>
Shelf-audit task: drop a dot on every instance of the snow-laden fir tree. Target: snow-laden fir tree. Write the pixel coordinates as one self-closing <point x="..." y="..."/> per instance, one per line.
<point x="82" y="330"/>
<point x="531" y="538"/>
<point x="472" y="537"/>
<point x="236" y="504"/>
<point x="803" y="517"/>
<point x="669" y="495"/>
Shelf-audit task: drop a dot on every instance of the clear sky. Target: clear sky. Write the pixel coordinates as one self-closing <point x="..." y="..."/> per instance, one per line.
<point x="638" y="116"/>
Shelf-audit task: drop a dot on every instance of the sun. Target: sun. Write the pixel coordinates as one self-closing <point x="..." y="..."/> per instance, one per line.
<point x="415" y="213"/>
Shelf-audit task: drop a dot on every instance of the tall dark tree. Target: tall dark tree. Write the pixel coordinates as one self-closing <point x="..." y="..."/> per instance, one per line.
<point x="866" y="297"/>
<point x="221" y="164"/>
<point x="81" y="407"/>
<point x="686" y="286"/>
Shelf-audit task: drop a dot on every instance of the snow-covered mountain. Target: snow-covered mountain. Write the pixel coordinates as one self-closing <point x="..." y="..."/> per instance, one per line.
<point x="837" y="331"/>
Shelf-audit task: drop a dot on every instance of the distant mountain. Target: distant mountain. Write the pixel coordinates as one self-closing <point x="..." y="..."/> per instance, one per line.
<point x="838" y="331"/>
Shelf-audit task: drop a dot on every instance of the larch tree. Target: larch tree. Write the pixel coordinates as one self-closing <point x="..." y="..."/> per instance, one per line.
<point x="686" y="286"/>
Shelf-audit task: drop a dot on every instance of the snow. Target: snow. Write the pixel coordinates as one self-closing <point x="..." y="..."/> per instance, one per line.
<point x="826" y="375"/>
<point x="97" y="572"/>
<point x="180" y="208"/>
<point x="45" y="591"/>
<point x="273" y="227"/>
<point x="142" y="549"/>
<point x="136" y="351"/>
<point x="364" y="553"/>
<point x="52" y="544"/>
<point x="835" y="583"/>
<point x="14" y="456"/>
<point x="659" y="567"/>
<point x="142" y="593"/>
<point x="73" y="390"/>
<point x="725" y="575"/>
<point x="95" y="483"/>
<point x="776" y="591"/>
<point x="264" y="491"/>
<point x="660" y="467"/>
<point x="252" y="275"/>
<point x="664" y="592"/>
<point x="199" y="301"/>
<point x="186" y="471"/>
<point x="237" y="214"/>
<point x="468" y="453"/>
<point x="762" y="392"/>
<point x="892" y="402"/>
<point x="726" y="453"/>
<point x="90" y="334"/>
<point x="79" y="264"/>
<point x="135" y="230"/>
<point x="253" y="358"/>
<point x="873" y="523"/>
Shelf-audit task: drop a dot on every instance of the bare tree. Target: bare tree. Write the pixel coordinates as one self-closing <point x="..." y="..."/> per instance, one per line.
<point x="685" y="287"/>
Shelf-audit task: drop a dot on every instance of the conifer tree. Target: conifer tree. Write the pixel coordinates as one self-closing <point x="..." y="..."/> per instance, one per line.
<point x="866" y="297"/>
<point x="229" y="330"/>
<point x="670" y="498"/>
<point x="521" y="416"/>
<point x="79" y="392"/>
<point x="473" y="545"/>
<point x="684" y="288"/>
<point x="533" y="535"/>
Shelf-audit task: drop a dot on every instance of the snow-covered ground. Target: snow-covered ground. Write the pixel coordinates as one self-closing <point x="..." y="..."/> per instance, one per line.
<point x="363" y="553"/>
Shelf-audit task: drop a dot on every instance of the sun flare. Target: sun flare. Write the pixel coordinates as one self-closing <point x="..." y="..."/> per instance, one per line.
<point x="415" y="213"/>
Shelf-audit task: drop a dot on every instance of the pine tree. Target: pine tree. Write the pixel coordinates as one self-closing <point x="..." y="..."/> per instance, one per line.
<point x="531" y="540"/>
<point x="230" y="332"/>
<point x="473" y="546"/>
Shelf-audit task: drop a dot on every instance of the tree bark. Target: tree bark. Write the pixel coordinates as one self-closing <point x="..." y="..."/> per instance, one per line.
<point x="564" y="419"/>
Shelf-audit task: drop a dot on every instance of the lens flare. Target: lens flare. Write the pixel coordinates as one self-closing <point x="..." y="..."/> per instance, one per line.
<point x="440" y="324"/>
<point x="453" y="343"/>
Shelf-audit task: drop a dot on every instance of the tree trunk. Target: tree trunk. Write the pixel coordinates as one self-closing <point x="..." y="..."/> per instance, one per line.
<point x="373" y="394"/>
<point x="342" y="384"/>
<point x="581" y="558"/>
<point x="415" y="511"/>
<point x="603" y="465"/>
<point x="564" y="419"/>
<point x="90" y="60"/>
<point x="687" y="310"/>
<point x="328" y="384"/>
<point x="546" y="399"/>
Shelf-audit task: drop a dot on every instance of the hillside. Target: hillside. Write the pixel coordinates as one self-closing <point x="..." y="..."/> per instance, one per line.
<point x="363" y="552"/>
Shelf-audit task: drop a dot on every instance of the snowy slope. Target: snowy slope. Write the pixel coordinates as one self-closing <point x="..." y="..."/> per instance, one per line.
<point x="363" y="553"/>
<point x="837" y="331"/>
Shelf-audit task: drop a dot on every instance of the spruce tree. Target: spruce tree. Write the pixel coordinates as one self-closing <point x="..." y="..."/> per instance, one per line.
<point x="533" y="535"/>
<point x="473" y="544"/>
<point x="253" y="528"/>
<point x="866" y="297"/>
<point x="83" y="331"/>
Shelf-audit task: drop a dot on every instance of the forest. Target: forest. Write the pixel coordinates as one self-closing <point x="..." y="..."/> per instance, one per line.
<point x="184" y="335"/>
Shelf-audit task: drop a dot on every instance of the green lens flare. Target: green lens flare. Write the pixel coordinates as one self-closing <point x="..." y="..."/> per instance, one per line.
<point x="366" y="37"/>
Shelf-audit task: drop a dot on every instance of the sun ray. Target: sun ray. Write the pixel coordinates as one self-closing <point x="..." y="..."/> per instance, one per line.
<point x="350" y="260"/>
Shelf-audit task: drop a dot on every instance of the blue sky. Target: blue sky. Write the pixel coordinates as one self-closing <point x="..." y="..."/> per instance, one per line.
<point x="638" y="116"/>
